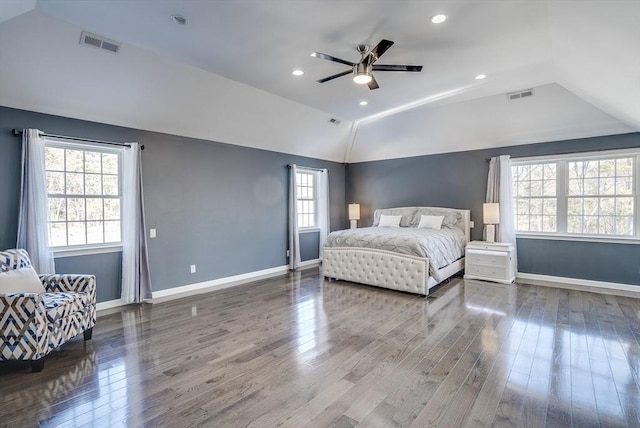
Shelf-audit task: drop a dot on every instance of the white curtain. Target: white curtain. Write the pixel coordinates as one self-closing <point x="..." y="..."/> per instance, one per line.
<point x="294" y="238"/>
<point x="499" y="189"/>
<point x="33" y="233"/>
<point x="136" y="279"/>
<point x="323" y="207"/>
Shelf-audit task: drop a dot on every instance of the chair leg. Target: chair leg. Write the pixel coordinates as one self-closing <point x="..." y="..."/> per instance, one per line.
<point x="87" y="333"/>
<point x="37" y="365"/>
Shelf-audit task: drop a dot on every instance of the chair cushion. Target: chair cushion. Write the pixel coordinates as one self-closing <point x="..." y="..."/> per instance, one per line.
<point x="60" y="305"/>
<point x="21" y="280"/>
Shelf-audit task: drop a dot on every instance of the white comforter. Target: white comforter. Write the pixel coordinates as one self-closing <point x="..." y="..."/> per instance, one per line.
<point x="442" y="247"/>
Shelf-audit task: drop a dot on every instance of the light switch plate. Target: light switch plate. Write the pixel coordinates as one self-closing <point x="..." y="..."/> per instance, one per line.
<point x="471" y="225"/>
<point x="152" y="233"/>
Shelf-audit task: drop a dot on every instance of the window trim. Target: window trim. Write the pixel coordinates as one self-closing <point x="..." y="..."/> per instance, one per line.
<point x="562" y="198"/>
<point x="88" y="249"/>
<point x="85" y="250"/>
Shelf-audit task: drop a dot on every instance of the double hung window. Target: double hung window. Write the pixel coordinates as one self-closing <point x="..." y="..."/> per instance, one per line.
<point x="306" y="199"/>
<point x="588" y="195"/>
<point x="84" y="191"/>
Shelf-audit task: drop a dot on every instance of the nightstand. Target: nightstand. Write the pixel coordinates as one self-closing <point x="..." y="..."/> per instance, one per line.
<point x="491" y="261"/>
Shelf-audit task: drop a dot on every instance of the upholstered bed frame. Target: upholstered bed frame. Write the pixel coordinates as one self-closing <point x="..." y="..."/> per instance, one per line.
<point x="388" y="269"/>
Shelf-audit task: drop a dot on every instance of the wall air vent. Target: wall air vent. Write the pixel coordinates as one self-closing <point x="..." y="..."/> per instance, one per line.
<point x="93" y="40"/>
<point x="520" y="94"/>
<point x="335" y="121"/>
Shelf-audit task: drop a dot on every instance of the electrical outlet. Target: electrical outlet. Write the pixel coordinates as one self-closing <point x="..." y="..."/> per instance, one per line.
<point x="471" y="225"/>
<point x="288" y="253"/>
<point x="152" y="233"/>
<point x="193" y="268"/>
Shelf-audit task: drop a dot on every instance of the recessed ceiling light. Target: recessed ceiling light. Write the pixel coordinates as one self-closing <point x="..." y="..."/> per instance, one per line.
<point x="480" y="76"/>
<point x="439" y="18"/>
<point x="364" y="103"/>
<point x="313" y="54"/>
<point x="297" y="72"/>
<point x="178" y="19"/>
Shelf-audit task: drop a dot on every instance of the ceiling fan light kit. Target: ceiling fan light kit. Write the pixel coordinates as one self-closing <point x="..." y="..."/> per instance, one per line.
<point x="362" y="73"/>
<point x="363" y="70"/>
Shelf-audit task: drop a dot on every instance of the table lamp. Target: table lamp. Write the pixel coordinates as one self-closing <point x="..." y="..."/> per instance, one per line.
<point x="491" y="217"/>
<point x="354" y="215"/>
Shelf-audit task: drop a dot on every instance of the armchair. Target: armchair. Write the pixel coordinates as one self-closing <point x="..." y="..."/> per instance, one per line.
<point x="33" y="324"/>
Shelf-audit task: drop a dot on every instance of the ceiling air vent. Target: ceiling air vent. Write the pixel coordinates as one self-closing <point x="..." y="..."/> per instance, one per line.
<point x="93" y="40"/>
<point x="520" y="94"/>
<point x="335" y="121"/>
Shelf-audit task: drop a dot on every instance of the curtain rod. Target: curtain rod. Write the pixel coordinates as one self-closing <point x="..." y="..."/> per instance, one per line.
<point x="308" y="167"/>
<point x="86" y="140"/>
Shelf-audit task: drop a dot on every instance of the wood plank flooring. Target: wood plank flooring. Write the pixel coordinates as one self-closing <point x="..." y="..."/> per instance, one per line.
<point x="297" y="350"/>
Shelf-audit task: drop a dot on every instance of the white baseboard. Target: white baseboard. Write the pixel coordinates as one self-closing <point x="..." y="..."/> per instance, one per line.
<point x="109" y="304"/>
<point x="310" y="263"/>
<point x="216" y="284"/>
<point x="576" y="283"/>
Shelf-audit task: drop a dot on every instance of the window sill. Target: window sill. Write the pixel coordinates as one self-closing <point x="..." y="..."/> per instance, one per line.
<point x="308" y="229"/>
<point x="584" y="238"/>
<point x="85" y="250"/>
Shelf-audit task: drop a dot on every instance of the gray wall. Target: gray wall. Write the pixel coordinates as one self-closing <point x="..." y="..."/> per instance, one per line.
<point x="106" y="267"/>
<point x="309" y="246"/>
<point x="218" y="206"/>
<point x="459" y="180"/>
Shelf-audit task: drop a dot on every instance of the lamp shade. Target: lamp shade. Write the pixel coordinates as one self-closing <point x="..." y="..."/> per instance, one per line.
<point x="354" y="211"/>
<point x="491" y="213"/>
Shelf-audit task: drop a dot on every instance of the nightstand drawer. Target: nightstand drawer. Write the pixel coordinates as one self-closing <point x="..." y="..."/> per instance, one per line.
<point x="487" y="271"/>
<point x="488" y="258"/>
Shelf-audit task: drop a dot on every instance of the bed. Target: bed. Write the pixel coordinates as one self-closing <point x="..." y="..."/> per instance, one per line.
<point x="405" y="258"/>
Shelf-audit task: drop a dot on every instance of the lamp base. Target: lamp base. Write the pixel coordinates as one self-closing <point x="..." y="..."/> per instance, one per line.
<point x="354" y="224"/>
<point x="491" y="233"/>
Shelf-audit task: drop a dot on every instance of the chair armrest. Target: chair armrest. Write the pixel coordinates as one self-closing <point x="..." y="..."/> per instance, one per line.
<point x="18" y="310"/>
<point x="79" y="283"/>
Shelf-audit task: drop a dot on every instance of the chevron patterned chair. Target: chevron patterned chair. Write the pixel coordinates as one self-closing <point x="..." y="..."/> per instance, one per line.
<point x="40" y="313"/>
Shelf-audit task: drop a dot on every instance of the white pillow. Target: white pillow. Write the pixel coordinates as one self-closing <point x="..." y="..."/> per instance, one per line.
<point x="430" y="222"/>
<point x="23" y="280"/>
<point x="389" y="220"/>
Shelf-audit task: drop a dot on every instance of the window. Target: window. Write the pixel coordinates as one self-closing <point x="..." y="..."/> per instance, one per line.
<point x="600" y="199"/>
<point x="534" y="190"/>
<point x="306" y="199"/>
<point x="592" y="194"/>
<point x="84" y="195"/>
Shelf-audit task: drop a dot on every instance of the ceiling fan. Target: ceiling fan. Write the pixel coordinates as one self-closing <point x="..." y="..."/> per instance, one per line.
<point x="362" y="71"/>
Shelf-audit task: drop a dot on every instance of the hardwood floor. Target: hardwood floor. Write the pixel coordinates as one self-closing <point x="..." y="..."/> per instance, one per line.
<point x="297" y="350"/>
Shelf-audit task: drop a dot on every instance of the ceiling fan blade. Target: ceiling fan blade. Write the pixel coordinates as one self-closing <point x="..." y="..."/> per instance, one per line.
<point x="373" y="84"/>
<point x="326" y="79"/>
<point x="332" y="58"/>
<point x="377" y="51"/>
<point x="394" y="67"/>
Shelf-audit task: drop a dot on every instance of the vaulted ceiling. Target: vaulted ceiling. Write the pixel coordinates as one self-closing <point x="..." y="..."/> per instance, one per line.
<point x="226" y="74"/>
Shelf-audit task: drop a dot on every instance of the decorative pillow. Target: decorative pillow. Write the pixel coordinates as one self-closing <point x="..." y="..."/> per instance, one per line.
<point x="451" y="220"/>
<point x="389" y="220"/>
<point x="431" y="222"/>
<point x="23" y="280"/>
<point x="406" y="213"/>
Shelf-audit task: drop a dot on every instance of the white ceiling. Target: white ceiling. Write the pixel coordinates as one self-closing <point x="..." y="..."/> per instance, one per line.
<point x="226" y="76"/>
